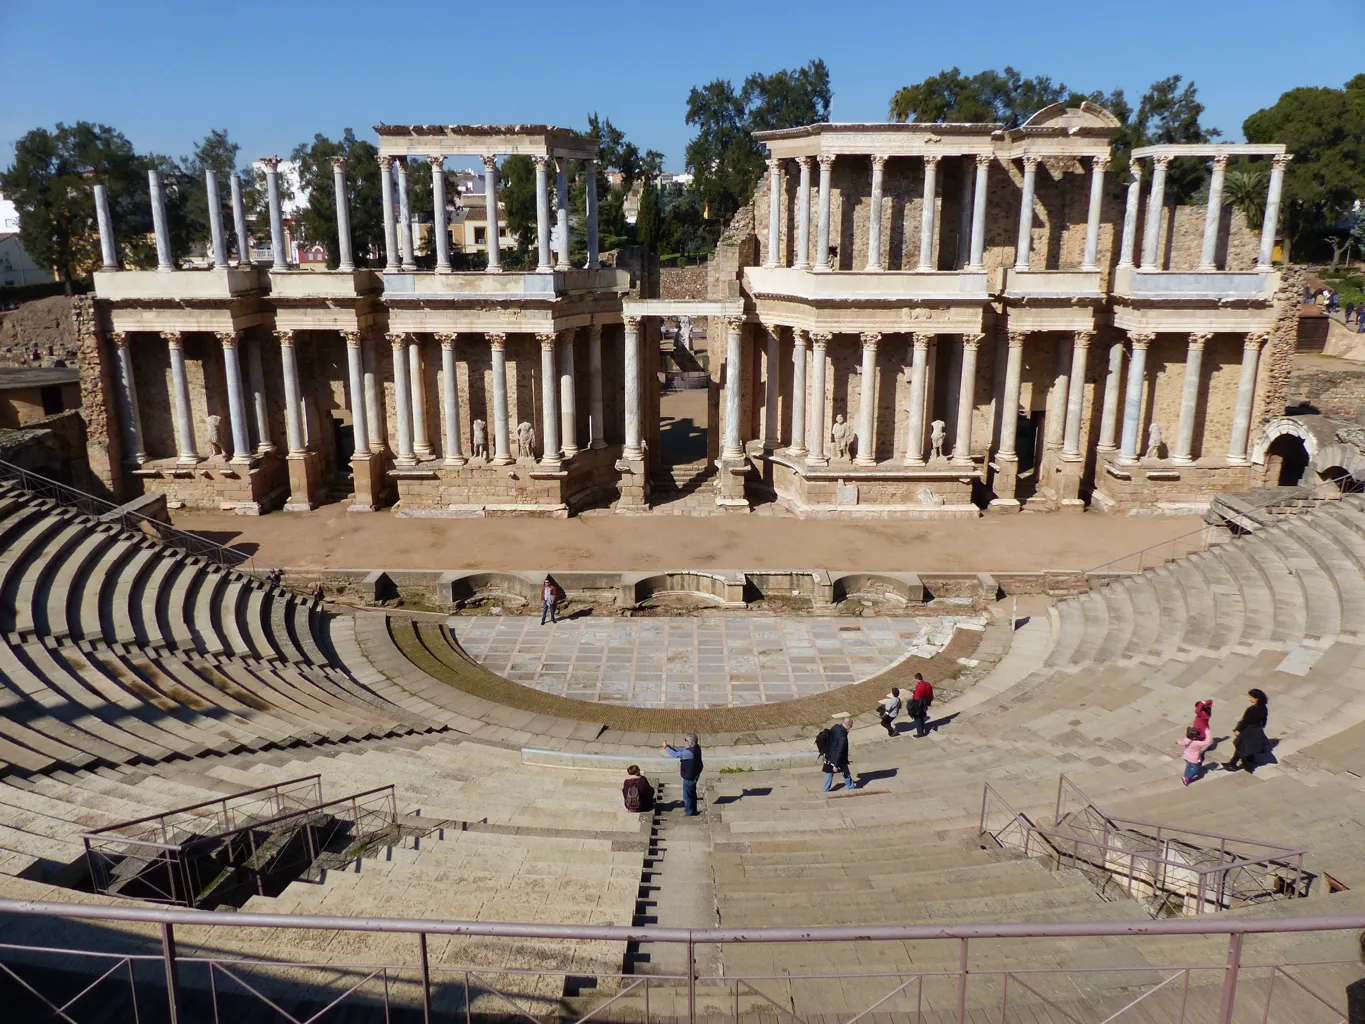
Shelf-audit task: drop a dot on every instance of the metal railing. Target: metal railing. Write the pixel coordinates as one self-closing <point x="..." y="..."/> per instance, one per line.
<point x="215" y="973"/>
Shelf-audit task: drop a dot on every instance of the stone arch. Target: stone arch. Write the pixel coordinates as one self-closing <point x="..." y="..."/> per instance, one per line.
<point x="1339" y="456"/>
<point x="1087" y="115"/>
<point x="1316" y="432"/>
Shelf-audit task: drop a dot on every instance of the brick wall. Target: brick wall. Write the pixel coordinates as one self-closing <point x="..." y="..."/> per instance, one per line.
<point x="682" y="282"/>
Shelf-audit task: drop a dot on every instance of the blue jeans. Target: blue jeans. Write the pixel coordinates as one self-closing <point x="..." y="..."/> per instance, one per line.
<point x="689" y="796"/>
<point x="1193" y="769"/>
<point x="547" y="608"/>
<point x="848" y="781"/>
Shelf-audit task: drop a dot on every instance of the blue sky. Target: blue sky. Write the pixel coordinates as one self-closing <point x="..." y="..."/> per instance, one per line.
<point x="273" y="74"/>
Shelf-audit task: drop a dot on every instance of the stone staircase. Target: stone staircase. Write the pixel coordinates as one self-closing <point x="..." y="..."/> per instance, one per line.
<point x="690" y="483"/>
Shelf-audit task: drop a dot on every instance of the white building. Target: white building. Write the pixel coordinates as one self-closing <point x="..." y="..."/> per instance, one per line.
<point x="16" y="268"/>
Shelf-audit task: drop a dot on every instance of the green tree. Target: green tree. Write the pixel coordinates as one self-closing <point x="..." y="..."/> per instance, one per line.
<point x="216" y="152"/>
<point x="517" y="190"/>
<point x="1244" y="189"/>
<point x="648" y="220"/>
<point x="364" y="196"/>
<point x="1169" y="113"/>
<point x="987" y="97"/>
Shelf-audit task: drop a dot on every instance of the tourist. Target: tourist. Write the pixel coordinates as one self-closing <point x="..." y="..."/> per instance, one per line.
<point x="636" y="791"/>
<point x="919" y="705"/>
<point x="1203" y="711"/>
<point x="1350" y="308"/>
<point x="549" y="600"/>
<point x="836" y="753"/>
<point x="1195" y="743"/>
<point x="890" y="709"/>
<point x="1250" y="739"/>
<point x="690" y="769"/>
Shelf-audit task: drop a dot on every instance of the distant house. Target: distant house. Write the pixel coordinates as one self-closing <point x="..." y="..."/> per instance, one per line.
<point x="15" y="266"/>
<point x="29" y="393"/>
<point x="312" y="255"/>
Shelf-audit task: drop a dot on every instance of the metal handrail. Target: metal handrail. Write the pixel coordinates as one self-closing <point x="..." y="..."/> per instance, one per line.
<point x="100" y="833"/>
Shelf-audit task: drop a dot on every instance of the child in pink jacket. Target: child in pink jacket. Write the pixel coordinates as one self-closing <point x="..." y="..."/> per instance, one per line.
<point x="1195" y="743"/>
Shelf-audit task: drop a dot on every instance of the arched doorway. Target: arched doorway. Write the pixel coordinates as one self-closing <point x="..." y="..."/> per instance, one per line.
<point x="1286" y="460"/>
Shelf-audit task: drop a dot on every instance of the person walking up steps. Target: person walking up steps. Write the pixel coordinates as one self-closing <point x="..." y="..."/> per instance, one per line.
<point x="1203" y="711"/>
<point x="1250" y="733"/>
<point x="1195" y="743"/>
<point x="919" y="705"/>
<point x="835" y="751"/>
<point x="889" y="710"/>
<point x="690" y="769"/>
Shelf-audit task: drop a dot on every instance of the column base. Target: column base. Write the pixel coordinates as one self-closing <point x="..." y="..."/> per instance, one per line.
<point x="550" y="464"/>
<point x="597" y="443"/>
<point x="1003" y="506"/>
<point x="545" y="268"/>
<point x="864" y="462"/>
<point x="798" y="451"/>
<point x="1238" y="460"/>
<point x="1106" y="449"/>
<point x="569" y="453"/>
<point x="423" y="452"/>
<point x="305" y="481"/>
<point x="1182" y="460"/>
<point x="367" y="474"/>
<point x="188" y="461"/>
<point x="1071" y="505"/>
<point x="818" y="461"/>
<point x="405" y="462"/>
<point x="501" y="460"/>
<point x="408" y="268"/>
<point x="454" y="462"/>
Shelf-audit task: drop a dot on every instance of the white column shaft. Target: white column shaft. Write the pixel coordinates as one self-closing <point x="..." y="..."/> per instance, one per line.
<point x="1156" y="203"/>
<point x="180" y="398"/>
<point x="1189" y="400"/>
<point x="405" y="216"/>
<point x="374" y="422"/>
<point x="590" y="216"/>
<point x="502" y="449"/>
<point x="562" y="212"/>
<point x="1024" y="242"/>
<point x="549" y="402"/>
<point x="634" y="448"/>
<point x="822" y="216"/>
<point x="345" y="257"/>
<point x="279" y="259"/>
<point x="438" y="208"/>
<point x="490" y="188"/>
<point x="568" y="395"/>
<point x="774" y="213"/>
<point x="919" y="373"/>
<point x="979" y="196"/>
<point x="874" y="216"/>
<point x="108" y="248"/>
<point x="803" y="217"/>
<point x="239" y="226"/>
<point x="241" y="435"/>
<point x="421" y="442"/>
<point x="1109" y="414"/>
<point x="160" y="227"/>
<point x="133" y="450"/>
<point x="799" y="354"/>
<point x="355" y="374"/>
<point x="1130" y="214"/>
<point x="734" y="344"/>
<point x="260" y="414"/>
<point x="966" y="401"/>
<point x="770" y="393"/>
<point x="1208" y="255"/>
<point x="1090" y="261"/>
<point x="1272" y="214"/>
<point x="927" y="215"/>
<point x="1132" y="405"/>
<point x="964" y="216"/>
<point x="402" y="401"/>
<point x="390" y="223"/>
<point x="543" y="215"/>
<point x="293" y="403"/>
<point x="217" y="241"/>
<point x="450" y="404"/>
<point x="1075" y="395"/>
<point x="1009" y="413"/>
<point x="596" y="438"/>
<point x="815" y="428"/>
<point x="1246" y="396"/>
<point x="867" y="403"/>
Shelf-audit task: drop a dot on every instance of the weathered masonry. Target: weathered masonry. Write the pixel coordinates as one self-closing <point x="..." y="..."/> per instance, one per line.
<point x="915" y="319"/>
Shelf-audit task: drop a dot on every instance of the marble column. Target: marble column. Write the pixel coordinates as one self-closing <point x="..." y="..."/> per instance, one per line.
<point x="239" y="227"/>
<point x="1132" y="404"/>
<point x="237" y="418"/>
<point x="815" y="428"/>
<point x="279" y="258"/>
<point x="490" y="188"/>
<point x="1189" y="400"/>
<point x="355" y="379"/>
<point x="874" y="214"/>
<point x="217" y="241"/>
<point x="919" y="377"/>
<point x="1130" y="214"/>
<point x="450" y="400"/>
<point x="590" y="213"/>
<point x="549" y="402"/>
<point x="802" y="254"/>
<point x="1075" y="395"/>
<point x="1272" y="211"/>
<point x="1090" y="261"/>
<point x="345" y="258"/>
<point x="964" y="216"/>
<point x="867" y="402"/>
<point x="595" y="423"/>
<point x="966" y="399"/>
<point x="390" y="224"/>
<point x="1009" y="411"/>
<point x="1024" y="242"/>
<point x="402" y="399"/>
<point x="502" y="449"/>
<point x="543" y="213"/>
<point x="108" y="248"/>
<point x="260" y="413"/>
<point x="568" y="395"/>
<point x="438" y="210"/>
<point x="774" y="212"/>
<point x="421" y="441"/>
<point x="733" y="447"/>
<point x="800" y="343"/>
<point x="771" y="433"/>
<point x="405" y="215"/>
<point x="1054" y="420"/>
<point x="160" y="226"/>
<point x="134" y="454"/>
<point x="1208" y="253"/>
<point x="634" y="448"/>
<point x="979" y="196"/>
<point x="1246" y="396"/>
<point x="928" y="213"/>
<point x="373" y="420"/>
<point x="186" y="452"/>
<point x="1109" y="414"/>
<point x="822" y="213"/>
<point x="1156" y="206"/>
<point x="562" y="212"/>
<point x="293" y="402"/>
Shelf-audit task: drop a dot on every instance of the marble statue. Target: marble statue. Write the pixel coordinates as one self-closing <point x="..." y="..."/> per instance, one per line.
<point x="685" y="332"/>
<point x="215" y="425"/>
<point x="526" y="440"/>
<point x="937" y="432"/>
<point x="928" y="497"/>
<point x="842" y="434"/>
<point x="480" y="440"/>
<point x="1154" y="441"/>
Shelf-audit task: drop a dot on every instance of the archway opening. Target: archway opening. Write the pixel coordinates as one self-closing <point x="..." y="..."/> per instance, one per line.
<point x="1338" y="478"/>
<point x="1287" y="460"/>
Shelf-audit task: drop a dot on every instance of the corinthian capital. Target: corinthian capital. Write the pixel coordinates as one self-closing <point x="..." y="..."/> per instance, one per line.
<point x="270" y="163"/>
<point x="339" y="163"/>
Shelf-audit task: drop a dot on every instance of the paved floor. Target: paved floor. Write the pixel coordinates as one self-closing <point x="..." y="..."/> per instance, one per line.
<point x="696" y="661"/>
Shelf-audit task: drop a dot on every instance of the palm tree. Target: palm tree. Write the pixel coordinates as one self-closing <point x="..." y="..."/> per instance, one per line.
<point x="1245" y="190"/>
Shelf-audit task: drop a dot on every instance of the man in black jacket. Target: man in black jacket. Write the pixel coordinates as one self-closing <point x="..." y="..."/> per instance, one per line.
<point x="690" y="769"/>
<point x="836" y="754"/>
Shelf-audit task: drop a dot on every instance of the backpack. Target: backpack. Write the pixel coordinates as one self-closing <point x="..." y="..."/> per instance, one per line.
<point x="633" y="800"/>
<point x="822" y="740"/>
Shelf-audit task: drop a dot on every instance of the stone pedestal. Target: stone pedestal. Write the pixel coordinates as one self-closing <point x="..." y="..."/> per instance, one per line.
<point x="730" y="494"/>
<point x="367" y="472"/>
<point x="1069" y="472"/>
<point x="305" y="481"/>
<point x="217" y="483"/>
<point x="1004" y="483"/>
<point x="633" y="486"/>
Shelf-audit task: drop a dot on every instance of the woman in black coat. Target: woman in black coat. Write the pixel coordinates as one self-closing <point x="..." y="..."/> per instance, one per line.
<point x="1250" y="733"/>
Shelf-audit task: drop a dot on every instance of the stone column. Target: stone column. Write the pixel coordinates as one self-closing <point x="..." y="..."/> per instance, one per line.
<point x="374" y="422"/>
<point x="1246" y="396"/>
<point x="438" y="209"/>
<point x="160" y="228"/>
<point x="590" y="214"/>
<point x="919" y="376"/>
<point x="279" y="258"/>
<point x="260" y="415"/>
<point x="568" y="395"/>
<point x="1151" y="234"/>
<point x="1208" y="254"/>
<point x="966" y="399"/>
<point x="502" y="451"/>
<point x="983" y="175"/>
<point x="355" y="373"/>
<point x="402" y="399"/>
<point x="634" y="447"/>
<point x="926" y="220"/>
<point x="734" y="352"/>
<point x="815" y="428"/>
<point x="1024" y="242"/>
<point x="133" y="452"/>
<point x="595" y="424"/>
<point x="1189" y="400"/>
<point x="1130" y="214"/>
<point x="800" y="341"/>
<point x="1055" y="418"/>
<point x="822" y="213"/>
<point x="217" y="241"/>
<point x="187" y="453"/>
<point x="543" y="213"/>
<point x="450" y="401"/>
<point x="239" y="222"/>
<point x="232" y="370"/>
<point x="1109" y="415"/>
<point x="867" y="402"/>
<point x="390" y="224"/>
<point x="874" y="215"/>
<point x="549" y="402"/>
<point x="774" y="212"/>
<point x="404" y="215"/>
<point x="1272" y="211"/>
<point x="490" y="189"/>
<point x="345" y="258"/>
<point x="1075" y="395"/>
<point x="803" y="216"/>
<point x="964" y="217"/>
<point x="421" y="441"/>
<point x="1009" y="413"/>
<point x="562" y="211"/>
<point x="1132" y="404"/>
<point x="770" y="381"/>
<point x="293" y="404"/>
<point x="1090" y="261"/>
<point x="108" y="249"/>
